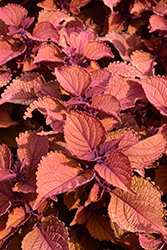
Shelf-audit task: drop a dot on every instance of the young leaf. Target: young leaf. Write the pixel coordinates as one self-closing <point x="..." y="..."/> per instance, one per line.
<point x="116" y="170"/>
<point x="140" y="212"/>
<point x="145" y="152"/>
<point x="155" y="89"/>
<point x="81" y="216"/>
<point x="58" y="173"/>
<point x="73" y="79"/>
<point x="95" y="194"/>
<point x="83" y="132"/>
<point x="50" y="234"/>
<point x="96" y="50"/>
<point x="23" y="89"/>
<point x="49" y="53"/>
<point x="33" y="147"/>
<point x="99" y="228"/>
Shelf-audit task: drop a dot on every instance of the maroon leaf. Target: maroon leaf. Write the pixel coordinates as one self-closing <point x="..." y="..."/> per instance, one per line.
<point x="5" y="194"/>
<point x="81" y="216"/>
<point x="100" y="77"/>
<point x="5" y="76"/>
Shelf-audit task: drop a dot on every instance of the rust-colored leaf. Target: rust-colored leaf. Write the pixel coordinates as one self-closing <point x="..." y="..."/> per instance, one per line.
<point x="5" y="76"/>
<point x="140" y="212"/>
<point x="150" y="243"/>
<point x="81" y="216"/>
<point x="49" y="53"/>
<point x="83" y="132"/>
<point x="16" y="217"/>
<point x="95" y="50"/>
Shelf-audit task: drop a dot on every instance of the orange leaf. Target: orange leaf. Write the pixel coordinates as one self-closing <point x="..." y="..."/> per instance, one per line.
<point x="150" y="243"/>
<point x="5" y="76"/>
<point x="51" y="234"/>
<point x="140" y="212"/>
<point x="58" y="173"/>
<point x="83" y="132"/>
<point x="116" y="170"/>
<point x="16" y="217"/>
<point x="49" y="53"/>
<point x="73" y="79"/>
<point x="145" y="152"/>
<point x="99" y="228"/>
<point x="81" y="216"/>
<point x="95" y="194"/>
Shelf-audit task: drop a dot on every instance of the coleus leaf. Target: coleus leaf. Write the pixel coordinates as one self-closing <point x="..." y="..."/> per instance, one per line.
<point x="157" y="23"/>
<point x="100" y="77"/>
<point x="57" y="173"/>
<point x="44" y="31"/>
<point x="70" y="200"/>
<point x="144" y="62"/>
<point x="5" y="76"/>
<point x="50" y="234"/>
<point x="95" y="194"/>
<point x="110" y="145"/>
<point x="145" y="152"/>
<point x="160" y="8"/>
<point x="77" y="4"/>
<point x="51" y="108"/>
<point x="16" y="217"/>
<point x="155" y="90"/>
<point x="47" y="4"/>
<point x="99" y="228"/>
<point x="83" y="132"/>
<point x="81" y="216"/>
<point x="49" y="53"/>
<point x="5" y="120"/>
<point x="108" y="104"/>
<point x="5" y="195"/>
<point x="124" y="69"/>
<point x="116" y="170"/>
<point x="88" y="243"/>
<point x="140" y="212"/>
<point x="10" y="49"/>
<point x="24" y="89"/>
<point x="111" y="3"/>
<point x="73" y="79"/>
<point x="126" y="91"/>
<point x="150" y="243"/>
<point x="32" y="147"/>
<point x="96" y="50"/>
<point x="13" y="14"/>
<point x="51" y="89"/>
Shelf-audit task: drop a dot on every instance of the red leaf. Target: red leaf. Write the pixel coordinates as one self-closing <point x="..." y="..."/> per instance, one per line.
<point x="124" y="69"/>
<point x="83" y="132"/>
<point x="108" y="104"/>
<point x="49" y="53"/>
<point x="5" y="76"/>
<point x="58" y="173"/>
<point x="73" y="79"/>
<point x="96" y="50"/>
<point x="23" y="89"/>
<point x="13" y="14"/>
<point x="125" y="43"/>
<point x="145" y="152"/>
<point x="150" y="243"/>
<point x="50" y="234"/>
<point x="140" y="212"/>
<point x="116" y="170"/>
<point x="32" y="147"/>
<point x="44" y="31"/>
<point x="157" y="23"/>
<point x="144" y="62"/>
<point x="10" y="49"/>
<point x="126" y="91"/>
<point x="81" y="216"/>
<point x="5" y="120"/>
<point x="155" y="89"/>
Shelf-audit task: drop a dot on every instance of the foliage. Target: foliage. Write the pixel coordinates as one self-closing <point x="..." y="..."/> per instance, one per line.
<point x="83" y="137"/>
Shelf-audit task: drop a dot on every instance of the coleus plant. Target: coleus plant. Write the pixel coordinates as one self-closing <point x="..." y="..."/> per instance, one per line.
<point x="92" y="173"/>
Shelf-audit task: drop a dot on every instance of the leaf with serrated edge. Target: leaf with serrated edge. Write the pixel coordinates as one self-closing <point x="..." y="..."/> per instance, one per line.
<point x="145" y="152"/>
<point x="83" y="132"/>
<point x="73" y="79"/>
<point x="49" y="53"/>
<point x="5" y="157"/>
<point x="155" y="89"/>
<point x="51" y="234"/>
<point x="150" y="243"/>
<point x="24" y="89"/>
<point x="140" y="212"/>
<point x="33" y="147"/>
<point x="58" y="173"/>
<point x="116" y="170"/>
<point x="99" y="228"/>
<point x="96" y="50"/>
